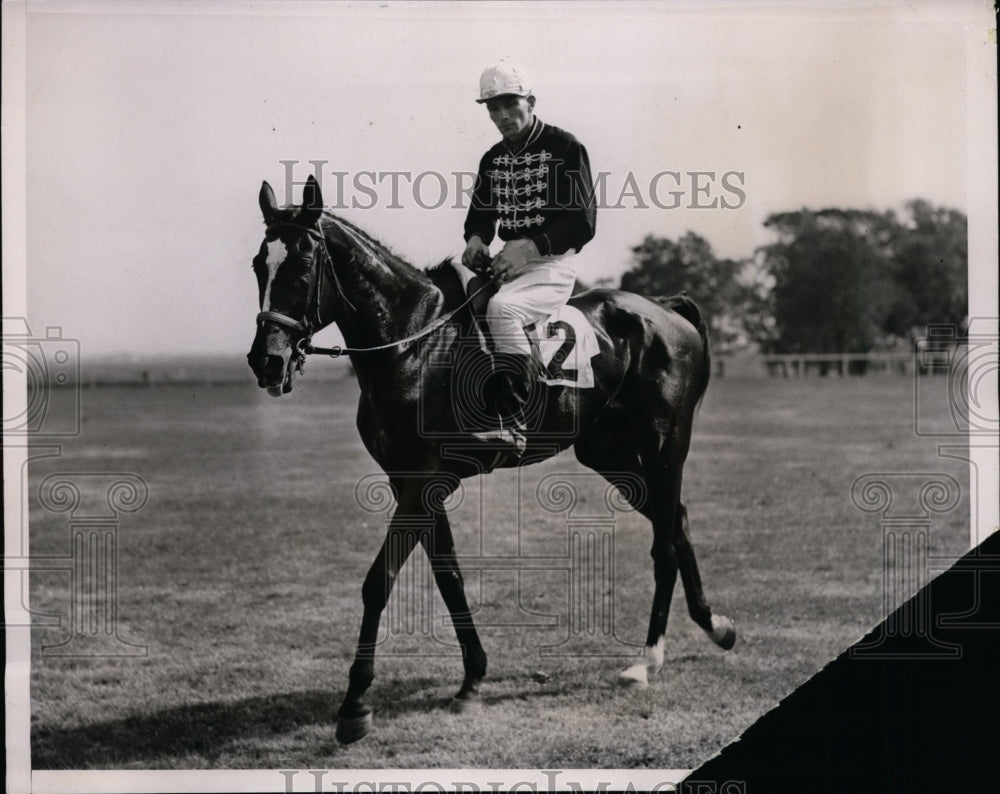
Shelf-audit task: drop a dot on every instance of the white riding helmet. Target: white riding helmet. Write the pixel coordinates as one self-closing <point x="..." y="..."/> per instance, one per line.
<point x="503" y="79"/>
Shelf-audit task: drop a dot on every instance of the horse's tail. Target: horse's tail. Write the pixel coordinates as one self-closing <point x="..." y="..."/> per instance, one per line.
<point x="691" y="312"/>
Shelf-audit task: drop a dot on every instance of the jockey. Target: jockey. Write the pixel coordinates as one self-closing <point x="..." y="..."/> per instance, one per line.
<point x="536" y="184"/>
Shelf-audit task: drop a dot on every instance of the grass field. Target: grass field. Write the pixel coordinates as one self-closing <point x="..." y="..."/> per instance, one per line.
<point x="241" y="576"/>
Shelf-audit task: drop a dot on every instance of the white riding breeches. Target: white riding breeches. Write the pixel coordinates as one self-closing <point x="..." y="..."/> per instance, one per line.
<point x="543" y="286"/>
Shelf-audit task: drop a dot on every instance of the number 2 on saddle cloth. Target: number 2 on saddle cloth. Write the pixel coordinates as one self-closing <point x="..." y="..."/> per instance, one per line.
<point x="563" y="345"/>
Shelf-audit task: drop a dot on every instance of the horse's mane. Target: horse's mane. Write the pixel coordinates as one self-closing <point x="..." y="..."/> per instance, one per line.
<point x="388" y="256"/>
<point x="442" y="275"/>
<point x="442" y="271"/>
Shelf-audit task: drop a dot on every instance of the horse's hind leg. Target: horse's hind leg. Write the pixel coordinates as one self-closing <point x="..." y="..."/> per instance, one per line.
<point x="718" y="627"/>
<point x="607" y="450"/>
<point x="661" y="505"/>
<point x="672" y="553"/>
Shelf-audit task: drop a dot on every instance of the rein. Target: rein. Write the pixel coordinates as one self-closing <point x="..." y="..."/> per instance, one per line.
<point x="305" y="347"/>
<point x="335" y="352"/>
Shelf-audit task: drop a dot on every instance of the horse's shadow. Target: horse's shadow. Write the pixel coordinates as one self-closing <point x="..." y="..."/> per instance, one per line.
<point x="206" y="730"/>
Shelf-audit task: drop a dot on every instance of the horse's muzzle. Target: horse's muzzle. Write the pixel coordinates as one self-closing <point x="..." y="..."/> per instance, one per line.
<point x="276" y="376"/>
<point x="273" y="371"/>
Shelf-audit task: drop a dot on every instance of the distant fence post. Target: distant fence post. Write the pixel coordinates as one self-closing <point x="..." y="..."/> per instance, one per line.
<point x="799" y="365"/>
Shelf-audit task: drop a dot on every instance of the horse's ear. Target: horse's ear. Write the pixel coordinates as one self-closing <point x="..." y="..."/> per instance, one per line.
<point x="312" y="202"/>
<point x="268" y="205"/>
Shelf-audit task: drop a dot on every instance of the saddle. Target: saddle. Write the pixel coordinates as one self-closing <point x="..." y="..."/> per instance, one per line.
<point x="562" y="344"/>
<point x="479" y="288"/>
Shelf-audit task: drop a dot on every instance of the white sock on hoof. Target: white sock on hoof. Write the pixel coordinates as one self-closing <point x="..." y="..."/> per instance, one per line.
<point x="720" y="628"/>
<point x="634" y="675"/>
<point x="640" y="672"/>
<point x="654" y="657"/>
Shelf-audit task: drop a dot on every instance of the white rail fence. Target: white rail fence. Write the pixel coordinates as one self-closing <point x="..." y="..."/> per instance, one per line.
<point x="937" y="360"/>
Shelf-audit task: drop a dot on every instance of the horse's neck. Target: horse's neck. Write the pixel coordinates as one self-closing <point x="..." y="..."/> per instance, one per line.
<point x="383" y="299"/>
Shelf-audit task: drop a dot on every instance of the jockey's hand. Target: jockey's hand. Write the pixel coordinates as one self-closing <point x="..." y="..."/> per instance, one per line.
<point x="476" y="252"/>
<point x="512" y="261"/>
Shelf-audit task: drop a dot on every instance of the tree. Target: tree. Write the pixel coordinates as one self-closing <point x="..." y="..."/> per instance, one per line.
<point x="834" y="281"/>
<point x="833" y="275"/>
<point x="854" y="281"/>
<point x="665" y="267"/>
<point x="930" y="267"/>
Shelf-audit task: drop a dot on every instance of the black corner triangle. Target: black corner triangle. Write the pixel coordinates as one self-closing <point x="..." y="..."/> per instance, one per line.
<point x="912" y="707"/>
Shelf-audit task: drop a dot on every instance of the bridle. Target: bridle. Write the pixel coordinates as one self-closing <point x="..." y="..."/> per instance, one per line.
<point x="312" y="321"/>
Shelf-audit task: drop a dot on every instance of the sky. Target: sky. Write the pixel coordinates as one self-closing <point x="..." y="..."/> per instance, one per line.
<point x="150" y="127"/>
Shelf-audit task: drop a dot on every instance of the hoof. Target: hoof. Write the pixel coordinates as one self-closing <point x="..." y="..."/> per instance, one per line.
<point x="635" y="677"/>
<point x="723" y="633"/>
<point x="460" y="705"/>
<point x="351" y="729"/>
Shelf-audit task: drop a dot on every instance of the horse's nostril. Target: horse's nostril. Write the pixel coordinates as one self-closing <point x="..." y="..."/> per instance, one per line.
<point x="274" y="367"/>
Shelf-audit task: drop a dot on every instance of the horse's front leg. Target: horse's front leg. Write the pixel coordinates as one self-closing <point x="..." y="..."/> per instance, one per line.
<point x="354" y="718"/>
<point x="440" y="548"/>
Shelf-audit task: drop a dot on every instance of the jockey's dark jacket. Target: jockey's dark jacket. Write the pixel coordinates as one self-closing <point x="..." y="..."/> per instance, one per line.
<point x="540" y="190"/>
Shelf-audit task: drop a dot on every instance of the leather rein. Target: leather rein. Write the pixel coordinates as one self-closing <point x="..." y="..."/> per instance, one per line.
<point x="313" y="322"/>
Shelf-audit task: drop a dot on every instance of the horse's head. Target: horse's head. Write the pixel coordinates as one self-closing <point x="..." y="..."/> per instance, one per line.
<point x="290" y="268"/>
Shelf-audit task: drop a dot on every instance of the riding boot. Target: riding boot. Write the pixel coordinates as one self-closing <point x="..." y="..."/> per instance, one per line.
<point x="514" y="377"/>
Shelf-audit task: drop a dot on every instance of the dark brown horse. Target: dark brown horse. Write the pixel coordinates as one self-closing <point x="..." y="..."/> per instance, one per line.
<point x="634" y="425"/>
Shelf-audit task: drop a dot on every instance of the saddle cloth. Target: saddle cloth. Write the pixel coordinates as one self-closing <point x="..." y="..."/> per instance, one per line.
<point x="563" y="343"/>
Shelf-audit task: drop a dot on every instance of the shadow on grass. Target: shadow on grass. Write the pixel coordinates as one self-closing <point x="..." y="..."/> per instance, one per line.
<point x="204" y="729"/>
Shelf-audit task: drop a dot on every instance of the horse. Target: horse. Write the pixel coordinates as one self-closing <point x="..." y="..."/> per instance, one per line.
<point x="634" y="425"/>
